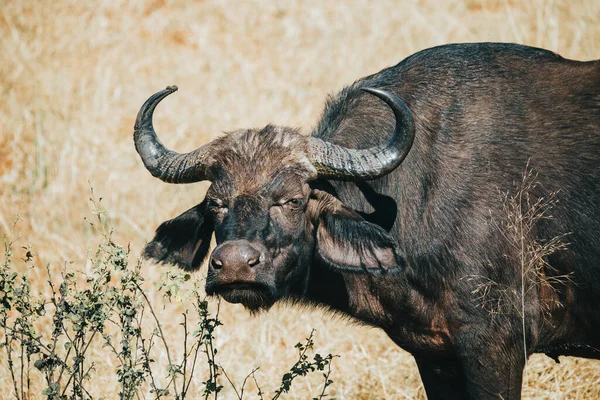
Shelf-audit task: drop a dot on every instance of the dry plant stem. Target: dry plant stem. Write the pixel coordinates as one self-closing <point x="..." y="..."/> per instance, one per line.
<point x="196" y="348"/>
<point x="8" y="339"/>
<point x="244" y="382"/>
<point x="327" y="382"/>
<point x="22" y="366"/>
<point x="159" y="326"/>
<point x="13" y="332"/>
<point x="213" y="368"/>
<point x="231" y="383"/>
<point x="211" y="383"/>
<point x="10" y="365"/>
<point x="259" y="394"/>
<point x="523" y="212"/>
<point x="112" y="347"/>
<point x="523" y="269"/>
<point x="146" y="353"/>
<point x="240" y="394"/>
<point x="301" y="358"/>
<point x="81" y="356"/>
<point x="64" y="365"/>
<point x="185" y="355"/>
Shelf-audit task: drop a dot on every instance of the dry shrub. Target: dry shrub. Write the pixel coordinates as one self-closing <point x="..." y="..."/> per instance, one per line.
<point x="535" y="279"/>
<point x="73" y="75"/>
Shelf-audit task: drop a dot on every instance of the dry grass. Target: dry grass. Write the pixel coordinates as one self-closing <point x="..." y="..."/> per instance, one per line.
<point x="73" y="75"/>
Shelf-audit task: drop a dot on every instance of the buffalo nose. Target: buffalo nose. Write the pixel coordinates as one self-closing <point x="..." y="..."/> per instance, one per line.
<point x="236" y="254"/>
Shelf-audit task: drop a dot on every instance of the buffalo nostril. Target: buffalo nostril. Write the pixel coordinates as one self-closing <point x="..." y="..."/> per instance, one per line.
<point x="216" y="264"/>
<point x="256" y="260"/>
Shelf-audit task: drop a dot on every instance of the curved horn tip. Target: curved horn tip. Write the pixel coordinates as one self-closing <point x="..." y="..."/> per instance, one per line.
<point x="382" y="94"/>
<point x="394" y="102"/>
<point x="172" y="88"/>
<point x="371" y="90"/>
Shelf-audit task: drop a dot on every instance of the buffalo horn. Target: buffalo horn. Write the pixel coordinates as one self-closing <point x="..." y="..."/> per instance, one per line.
<point x="162" y="162"/>
<point x="341" y="163"/>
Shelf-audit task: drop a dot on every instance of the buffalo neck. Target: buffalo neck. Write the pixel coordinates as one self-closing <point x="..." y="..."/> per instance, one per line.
<point x="383" y="300"/>
<point x="371" y="298"/>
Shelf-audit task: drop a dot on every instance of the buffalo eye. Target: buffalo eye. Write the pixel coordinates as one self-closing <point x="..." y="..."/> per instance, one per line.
<point x="294" y="203"/>
<point x="219" y="206"/>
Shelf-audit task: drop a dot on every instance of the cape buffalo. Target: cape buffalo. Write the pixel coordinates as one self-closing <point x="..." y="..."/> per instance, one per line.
<point x="470" y="235"/>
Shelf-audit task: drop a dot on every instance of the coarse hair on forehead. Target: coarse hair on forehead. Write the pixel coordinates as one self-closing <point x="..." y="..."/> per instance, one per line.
<point x="254" y="157"/>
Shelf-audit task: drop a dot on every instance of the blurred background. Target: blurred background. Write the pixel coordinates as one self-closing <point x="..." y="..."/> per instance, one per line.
<point x="73" y="75"/>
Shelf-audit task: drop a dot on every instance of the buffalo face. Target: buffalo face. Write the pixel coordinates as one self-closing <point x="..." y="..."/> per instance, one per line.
<point x="263" y="237"/>
<point x="271" y="220"/>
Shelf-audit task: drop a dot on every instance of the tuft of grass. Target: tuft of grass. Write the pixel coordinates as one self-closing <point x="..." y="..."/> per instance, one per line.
<point x="522" y="213"/>
<point x="537" y="280"/>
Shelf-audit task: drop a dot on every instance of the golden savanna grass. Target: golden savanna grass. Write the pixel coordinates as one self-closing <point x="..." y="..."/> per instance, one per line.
<point x="73" y="75"/>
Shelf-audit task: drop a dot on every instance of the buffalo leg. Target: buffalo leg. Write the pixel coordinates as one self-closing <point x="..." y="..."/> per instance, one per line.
<point x="442" y="378"/>
<point x="492" y="365"/>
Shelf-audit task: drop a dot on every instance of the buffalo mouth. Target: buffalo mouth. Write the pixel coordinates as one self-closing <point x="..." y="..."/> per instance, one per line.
<point x="252" y="295"/>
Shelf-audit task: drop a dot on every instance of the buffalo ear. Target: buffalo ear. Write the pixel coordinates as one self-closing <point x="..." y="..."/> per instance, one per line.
<point x="346" y="241"/>
<point x="183" y="240"/>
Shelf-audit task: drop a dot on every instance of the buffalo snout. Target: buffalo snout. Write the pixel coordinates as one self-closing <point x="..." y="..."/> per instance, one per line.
<point x="237" y="261"/>
<point x="239" y="271"/>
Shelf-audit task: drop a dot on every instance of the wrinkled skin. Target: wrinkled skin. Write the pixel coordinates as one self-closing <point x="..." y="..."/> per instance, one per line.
<point x="427" y="252"/>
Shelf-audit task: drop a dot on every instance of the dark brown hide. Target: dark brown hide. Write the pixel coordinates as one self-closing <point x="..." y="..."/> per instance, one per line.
<point x="481" y="248"/>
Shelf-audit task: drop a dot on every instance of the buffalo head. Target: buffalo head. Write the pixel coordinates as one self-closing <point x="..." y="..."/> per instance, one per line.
<point x="270" y="216"/>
